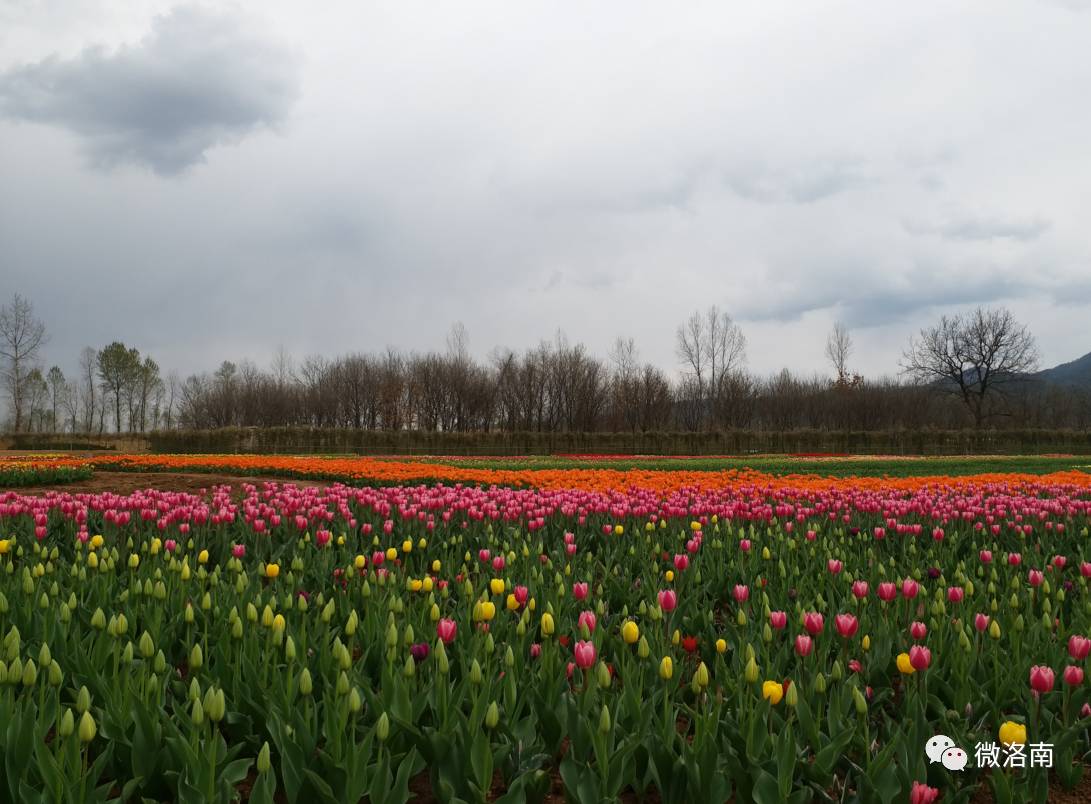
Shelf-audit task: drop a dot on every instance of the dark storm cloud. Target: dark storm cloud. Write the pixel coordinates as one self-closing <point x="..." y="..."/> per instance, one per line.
<point x="971" y="228"/>
<point x="197" y="80"/>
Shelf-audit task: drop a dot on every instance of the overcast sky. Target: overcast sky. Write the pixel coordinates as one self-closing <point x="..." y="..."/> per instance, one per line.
<point x="210" y="181"/>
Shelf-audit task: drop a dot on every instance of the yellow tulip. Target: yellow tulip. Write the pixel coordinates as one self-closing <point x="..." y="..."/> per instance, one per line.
<point x="1012" y="733"/>
<point x="666" y="668"/>
<point x="721" y="645"/>
<point x="669" y="575"/>
<point x="547" y="624"/>
<point x="619" y="529"/>
<point x="436" y="565"/>
<point x="772" y="691"/>
<point x="5" y="546"/>
<point x="905" y="665"/>
<point x="360" y="562"/>
<point x="391" y="554"/>
<point x="96" y="541"/>
<point x="496" y="586"/>
<point x="202" y="557"/>
<point x="630" y="632"/>
<point x="407" y="546"/>
<point x="488" y="610"/>
<point x="272" y="570"/>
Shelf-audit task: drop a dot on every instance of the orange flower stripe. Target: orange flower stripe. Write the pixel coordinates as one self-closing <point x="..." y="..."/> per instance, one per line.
<point x="386" y="470"/>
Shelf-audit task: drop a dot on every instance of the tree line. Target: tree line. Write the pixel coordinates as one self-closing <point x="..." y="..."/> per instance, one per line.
<point x="971" y="369"/>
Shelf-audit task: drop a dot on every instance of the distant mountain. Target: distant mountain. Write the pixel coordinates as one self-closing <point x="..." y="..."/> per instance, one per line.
<point x="1075" y="374"/>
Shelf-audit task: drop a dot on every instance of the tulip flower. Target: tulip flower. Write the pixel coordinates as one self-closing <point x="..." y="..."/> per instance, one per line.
<point x="579" y="591"/>
<point x="859" y="589"/>
<point x="1041" y="678"/>
<point x="778" y="619"/>
<point x="918" y="630"/>
<point x="1035" y="577"/>
<point x="587" y="619"/>
<point x="772" y="691"/>
<point x="846" y="625"/>
<point x="668" y="599"/>
<point x="1073" y="675"/>
<point x="920" y="657"/>
<point x="834" y="566"/>
<point x="666" y="668"/>
<point x="1079" y="647"/>
<point x="446" y="630"/>
<point x="910" y="588"/>
<point x="813" y="622"/>
<point x="1012" y="733"/>
<point x="630" y="632"/>
<point x="905" y="664"/>
<point x="804" y="645"/>
<point x="741" y="593"/>
<point x="585" y="654"/>
<point x="981" y="621"/>
<point x="955" y="594"/>
<point x="922" y="794"/>
<point x="887" y="591"/>
<point x="986" y="556"/>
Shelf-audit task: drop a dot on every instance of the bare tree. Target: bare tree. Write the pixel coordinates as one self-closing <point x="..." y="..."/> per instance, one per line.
<point x="974" y="356"/>
<point x="57" y="385"/>
<point x="88" y="367"/>
<point x="838" y="349"/>
<point x="21" y="336"/>
<point x="711" y="348"/>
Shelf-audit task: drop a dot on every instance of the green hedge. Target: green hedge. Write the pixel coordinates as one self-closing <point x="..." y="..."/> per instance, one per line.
<point x="728" y="442"/>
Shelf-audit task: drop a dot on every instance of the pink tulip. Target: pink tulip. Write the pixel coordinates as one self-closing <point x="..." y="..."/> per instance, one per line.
<point x="918" y="630"/>
<point x="920" y="657"/>
<point x="521" y="595"/>
<point x="1079" y="647"/>
<point x="238" y="550"/>
<point x="741" y="593"/>
<point x="1085" y="569"/>
<point x="1041" y="678"/>
<point x="681" y="561"/>
<point x="498" y="563"/>
<point x="937" y="534"/>
<point x="446" y="630"/>
<point x="955" y="594"/>
<point x="585" y="654"/>
<point x="804" y="645"/>
<point x="579" y="591"/>
<point x="981" y="621"/>
<point x="589" y="619"/>
<point x="535" y="650"/>
<point x="887" y="591"/>
<point x="668" y="600"/>
<point x="813" y="622"/>
<point x="923" y="794"/>
<point x="1085" y="710"/>
<point x="910" y="588"/>
<point x="778" y="619"/>
<point x="846" y="625"/>
<point x="859" y="589"/>
<point x="986" y="556"/>
<point x="811" y="535"/>
<point x="1073" y="675"/>
<point x="834" y="566"/>
<point x="744" y="545"/>
<point x="1014" y="559"/>
<point x="1035" y="577"/>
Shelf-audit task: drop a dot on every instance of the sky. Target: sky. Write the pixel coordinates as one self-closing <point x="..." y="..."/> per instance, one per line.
<point x="214" y="181"/>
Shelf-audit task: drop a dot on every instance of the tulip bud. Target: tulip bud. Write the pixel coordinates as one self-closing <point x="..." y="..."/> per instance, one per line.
<point x="492" y="716"/>
<point x="994" y="629"/>
<point x="196" y="657"/>
<point x="602" y="675"/>
<point x="67" y="724"/>
<point x="56" y="676"/>
<point x="666" y="668"/>
<point x="860" y="702"/>
<point x="83" y="700"/>
<point x="355" y="703"/>
<point x="196" y="713"/>
<point x="604" y="720"/>
<point x="306" y="685"/>
<point x="476" y="676"/>
<point x="264" y="764"/>
<point x="643" y="650"/>
<point x="382" y="728"/>
<point x="820" y="684"/>
<point x="30" y="673"/>
<point x="441" y="658"/>
<point x="751" y="673"/>
<point x="87" y="728"/>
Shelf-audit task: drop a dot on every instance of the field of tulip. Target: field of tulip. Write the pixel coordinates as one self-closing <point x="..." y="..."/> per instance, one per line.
<point x="25" y="471"/>
<point x="660" y="636"/>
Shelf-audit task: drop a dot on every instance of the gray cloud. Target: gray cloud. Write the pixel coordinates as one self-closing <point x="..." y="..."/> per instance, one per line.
<point x="976" y="228"/>
<point x="814" y="180"/>
<point x="199" y="79"/>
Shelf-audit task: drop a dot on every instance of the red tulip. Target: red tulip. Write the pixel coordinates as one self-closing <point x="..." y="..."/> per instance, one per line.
<point x="1079" y="647"/>
<point x="579" y="591"/>
<point x="887" y="591"/>
<point x="446" y="630"/>
<point x="1035" y="577"/>
<point x="981" y="621"/>
<point x="741" y="593"/>
<point x="1073" y="675"/>
<point x="955" y="594"/>
<point x="920" y="657"/>
<point x="923" y="794"/>
<point x="859" y="589"/>
<point x="813" y="622"/>
<point x="910" y="588"/>
<point x="778" y="619"/>
<point x="986" y="556"/>
<point x="1014" y="559"/>
<point x="1041" y="678"/>
<point x="804" y="645"/>
<point x="918" y="630"/>
<point x="846" y="625"/>
<point x="668" y="600"/>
